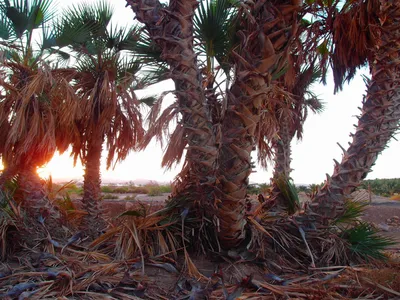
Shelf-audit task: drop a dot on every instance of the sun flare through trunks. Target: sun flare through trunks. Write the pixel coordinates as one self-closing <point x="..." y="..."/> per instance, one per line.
<point x="61" y="168"/>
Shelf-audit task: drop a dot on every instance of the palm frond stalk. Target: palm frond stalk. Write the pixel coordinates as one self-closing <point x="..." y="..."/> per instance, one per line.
<point x="377" y="22"/>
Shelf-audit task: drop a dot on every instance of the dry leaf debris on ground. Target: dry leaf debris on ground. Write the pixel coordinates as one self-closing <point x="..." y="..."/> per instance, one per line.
<point x="77" y="269"/>
<point x="93" y="275"/>
<point x="123" y="263"/>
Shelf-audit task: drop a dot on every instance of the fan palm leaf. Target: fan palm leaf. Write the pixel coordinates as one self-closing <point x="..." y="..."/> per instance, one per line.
<point x="214" y="22"/>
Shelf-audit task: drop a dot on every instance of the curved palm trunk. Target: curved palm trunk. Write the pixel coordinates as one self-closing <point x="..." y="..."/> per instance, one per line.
<point x="173" y="32"/>
<point x="92" y="180"/>
<point x="379" y="119"/>
<point x="261" y="54"/>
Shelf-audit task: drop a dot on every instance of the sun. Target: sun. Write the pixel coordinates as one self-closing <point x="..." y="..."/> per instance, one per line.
<point x="61" y="167"/>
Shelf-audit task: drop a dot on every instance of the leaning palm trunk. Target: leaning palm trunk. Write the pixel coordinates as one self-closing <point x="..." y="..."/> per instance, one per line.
<point x="263" y="54"/>
<point x="379" y="119"/>
<point x="173" y="33"/>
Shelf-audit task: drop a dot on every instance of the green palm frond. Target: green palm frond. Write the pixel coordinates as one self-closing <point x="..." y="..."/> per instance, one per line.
<point x="214" y="23"/>
<point x="121" y="39"/>
<point x="289" y="193"/>
<point x="127" y="68"/>
<point x="353" y="210"/>
<point x="151" y="75"/>
<point x="365" y="242"/>
<point x="84" y="23"/>
<point x="25" y="16"/>
<point x="6" y="31"/>
<point x="148" y="51"/>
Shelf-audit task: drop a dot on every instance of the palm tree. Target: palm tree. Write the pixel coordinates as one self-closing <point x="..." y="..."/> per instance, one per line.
<point x="364" y="31"/>
<point x="291" y="123"/>
<point x="37" y="108"/>
<point x="107" y="77"/>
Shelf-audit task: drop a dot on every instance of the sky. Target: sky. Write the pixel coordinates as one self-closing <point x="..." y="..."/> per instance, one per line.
<point x="312" y="157"/>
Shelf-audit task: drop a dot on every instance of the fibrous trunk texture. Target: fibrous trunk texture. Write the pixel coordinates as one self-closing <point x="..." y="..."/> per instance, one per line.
<point x="282" y="150"/>
<point x="173" y="32"/>
<point x="282" y="158"/>
<point x="265" y="41"/>
<point x="379" y="117"/>
<point x="92" y="180"/>
<point x="32" y="191"/>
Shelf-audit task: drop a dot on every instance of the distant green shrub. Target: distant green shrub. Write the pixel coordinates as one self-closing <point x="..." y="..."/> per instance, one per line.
<point x="253" y="189"/>
<point x="138" y="190"/>
<point x="383" y="187"/>
<point x="165" y="188"/>
<point x="258" y="188"/>
<point x="107" y="189"/>
<point x="153" y="190"/>
<point x="110" y="197"/>
<point x="303" y="188"/>
<point x="121" y="190"/>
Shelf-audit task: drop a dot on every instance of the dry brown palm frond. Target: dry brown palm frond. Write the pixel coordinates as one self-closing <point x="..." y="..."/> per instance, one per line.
<point x="127" y="131"/>
<point x="278" y="106"/>
<point x="43" y="101"/>
<point x="111" y="108"/>
<point x="140" y="235"/>
<point x="158" y="128"/>
<point x="175" y="149"/>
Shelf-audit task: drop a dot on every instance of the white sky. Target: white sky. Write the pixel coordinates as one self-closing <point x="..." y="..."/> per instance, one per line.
<point x="312" y="157"/>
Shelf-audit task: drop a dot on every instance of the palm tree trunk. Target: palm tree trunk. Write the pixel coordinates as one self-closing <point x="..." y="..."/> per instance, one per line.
<point x="173" y="32"/>
<point x="92" y="184"/>
<point x="238" y="128"/>
<point x="379" y="118"/>
<point x="32" y="190"/>
<point x="282" y="158"/>
<point x="260" y="56"/>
